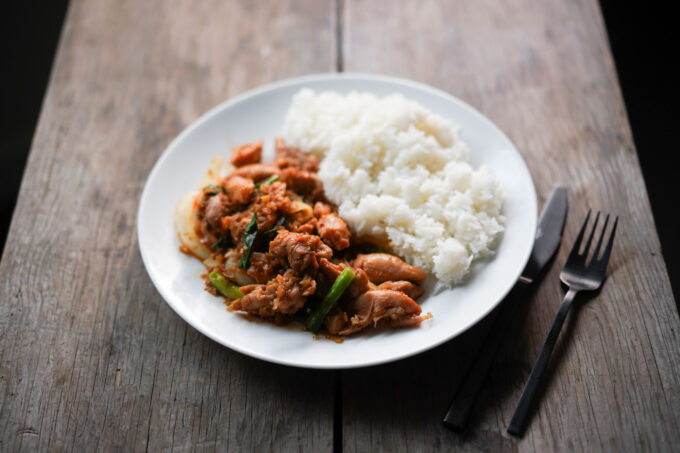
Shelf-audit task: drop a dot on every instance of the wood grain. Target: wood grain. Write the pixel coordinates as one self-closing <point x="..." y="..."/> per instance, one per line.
<point x="91" y="358"/>
<point x="544" y="73"/>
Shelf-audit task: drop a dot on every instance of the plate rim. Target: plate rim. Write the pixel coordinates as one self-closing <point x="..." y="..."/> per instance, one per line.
<point x="325" y="76"/>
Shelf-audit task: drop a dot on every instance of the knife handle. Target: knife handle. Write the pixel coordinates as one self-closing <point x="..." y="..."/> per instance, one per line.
<point x="466" y="394"/>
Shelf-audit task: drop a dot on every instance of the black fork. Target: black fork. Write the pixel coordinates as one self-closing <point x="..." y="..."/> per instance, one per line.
<point x="578" y="276"/>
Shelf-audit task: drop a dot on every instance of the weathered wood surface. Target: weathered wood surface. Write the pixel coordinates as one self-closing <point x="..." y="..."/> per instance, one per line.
<point x="91" y="358"/>
<point x="542" y="70"/>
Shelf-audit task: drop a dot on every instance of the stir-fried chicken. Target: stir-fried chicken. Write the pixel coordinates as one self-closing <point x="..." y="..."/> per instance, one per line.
<point x="359" y="285"/>
<point x="410" y="289"/>
<point x="372" y="306"/>
<point x="276" y="236"/>
<point x="250" y="153"/>
<point x="263" y="267"/>
<point x="301" y="251"/>
<point x="283" y="294"/>
<point x="239" y="189"/>
<point x="333" y="230"/>
<point x="382" y="267"/>
<point x="271" y="205"/>
<point x="303" y="182"/>
<point x="216" y="206"/>
<point x="292" y="157"/>
<point x="236" y="224"/>
<point x="257" y="172"/>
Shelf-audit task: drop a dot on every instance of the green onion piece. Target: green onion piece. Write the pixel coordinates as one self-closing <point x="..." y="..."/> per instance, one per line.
<point x="214" y="187"/>
<point x="271" y="180"/>
<point x="279" y="224"/>
<point x="267" y="182"/>
<point x="315" y="319"/>
<point x="248" y="240"/>
<point x="224" y="286"/>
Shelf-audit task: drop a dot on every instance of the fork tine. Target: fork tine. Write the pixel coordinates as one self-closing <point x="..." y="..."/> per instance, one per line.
<point x="577" y="243"/>
<point x="590" y="236"/>
<point x="596" y="252"/>
<point x="608" y="249"/>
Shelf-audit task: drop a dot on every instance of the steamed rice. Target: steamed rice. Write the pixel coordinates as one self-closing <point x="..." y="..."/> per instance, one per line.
<point x="396" y="169"/>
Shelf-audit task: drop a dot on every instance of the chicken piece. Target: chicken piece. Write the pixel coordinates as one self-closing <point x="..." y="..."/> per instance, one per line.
<point x="301" y="251"/>
<point x="359" y="285"/>
<point x="303" y="182"/>
<point x="373" y="306"/>
<point x="263" y="267"/>
<point x="256" y="172"/>
<point x="250" y="153"/>
<point x="216" y="206"/>
<point x="410" y="289"/>
<point x="293" y="157"/>
<point x="381" y="267"/>
<point x="335" y="321"/>
<point x="271" y="205"/>
<point x="321" y="209"/>
<point x="292" y="291"/>
<point x="308" y="227"/>
<point x="239" y="189"/>
<point x="333" y="230"/>
<point x="237" y="224"/>
<point x="284" y="294"/>
<point x="257" y="299"/>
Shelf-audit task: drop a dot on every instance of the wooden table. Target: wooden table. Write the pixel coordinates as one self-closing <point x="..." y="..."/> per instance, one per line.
<point x="91" y="358"/>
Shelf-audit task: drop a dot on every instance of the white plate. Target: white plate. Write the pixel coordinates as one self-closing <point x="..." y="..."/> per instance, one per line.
<point x="258" y="114"/>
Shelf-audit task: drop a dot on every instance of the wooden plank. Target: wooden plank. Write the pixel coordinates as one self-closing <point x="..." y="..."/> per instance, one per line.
<point x="91" y="358"/>
<point x="543" y="72"/>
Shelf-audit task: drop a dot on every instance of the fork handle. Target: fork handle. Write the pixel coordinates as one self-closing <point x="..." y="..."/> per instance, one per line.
<point x="519" y="418"/>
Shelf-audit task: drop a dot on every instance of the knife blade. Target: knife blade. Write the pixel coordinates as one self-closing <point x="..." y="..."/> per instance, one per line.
<point x="546" y="242"/>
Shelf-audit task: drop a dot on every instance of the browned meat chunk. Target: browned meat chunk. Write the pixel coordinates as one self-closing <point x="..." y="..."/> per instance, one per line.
<point x="410" y="289"/>
<point x="263" y="267"/>
<point x="335" y="321"/>
<point x="250" y="153"/>
<point x="284" y="294"/>
<point x="381" y="267"/>
<point x="216" y="206"/>
<point x="256" y="172"/>
<point x="293" y="157"/>
<point x="333" y="230"/>
<point x="237" y="224"/>
<point x="271" y="205"/>
<point x="321" y="209"/>
<point x="359" y="285"/>
<point x="257" y="299"/>
<point x="308" y="227"/>
<point x="373" y="306"/>
<point x="239" y="189"/>
<point x="301" y="251"/>
<point x="303" y="182"/>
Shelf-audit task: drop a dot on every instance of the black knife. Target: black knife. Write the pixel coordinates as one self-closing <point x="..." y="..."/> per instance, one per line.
<point x="547" y="241"/>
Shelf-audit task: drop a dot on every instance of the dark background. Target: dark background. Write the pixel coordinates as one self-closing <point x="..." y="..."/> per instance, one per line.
<point x="641" y="36"/>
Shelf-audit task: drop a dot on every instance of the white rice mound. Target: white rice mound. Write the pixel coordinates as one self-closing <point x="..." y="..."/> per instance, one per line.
<point x="396" y="169"/>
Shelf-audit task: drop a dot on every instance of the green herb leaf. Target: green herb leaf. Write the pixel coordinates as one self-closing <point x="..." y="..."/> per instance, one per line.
<point x="248" y="240"/>
<point x="222" y="243"/>
<point x="267" y="182"/>
<point x="279" y="224"/>
<point x="215" y="188"/>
